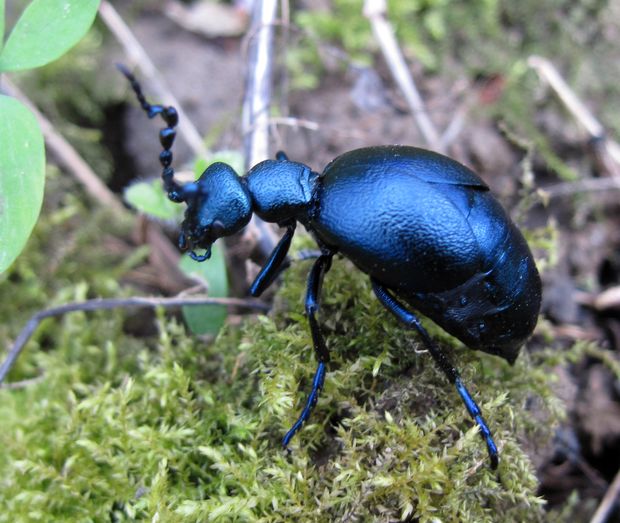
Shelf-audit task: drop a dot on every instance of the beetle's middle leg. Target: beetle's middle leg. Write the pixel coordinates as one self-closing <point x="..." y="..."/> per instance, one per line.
<point x="411" y="321"/>
<point x="315" y="280"/>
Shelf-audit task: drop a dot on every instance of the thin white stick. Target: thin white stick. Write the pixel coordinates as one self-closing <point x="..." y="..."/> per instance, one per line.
<point x="609" y="500"/>
<point x="582" y="114"/>
<point x="257" y="101"/>
<point x="549" y="73"/>
<point x="375" y="11"/>
<point x="582" y="186"/>
<point x="258" y="83"/>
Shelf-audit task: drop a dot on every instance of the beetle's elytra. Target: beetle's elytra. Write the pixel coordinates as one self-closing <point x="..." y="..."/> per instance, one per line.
<point x="425" y="228"/>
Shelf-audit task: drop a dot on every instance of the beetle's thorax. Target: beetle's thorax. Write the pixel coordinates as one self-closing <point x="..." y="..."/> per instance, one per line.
<point x="281" y="190"/>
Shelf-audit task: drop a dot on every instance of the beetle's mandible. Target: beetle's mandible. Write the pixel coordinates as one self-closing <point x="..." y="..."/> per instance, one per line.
<point x="425" y="229"/>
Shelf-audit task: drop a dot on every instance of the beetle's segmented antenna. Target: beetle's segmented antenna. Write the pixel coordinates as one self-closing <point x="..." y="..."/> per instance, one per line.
<point x="170" y="116"/>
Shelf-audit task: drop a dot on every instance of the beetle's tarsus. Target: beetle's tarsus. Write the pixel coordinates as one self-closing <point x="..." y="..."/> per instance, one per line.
<point x="476" y="414"/>
<point x="317" y="386"/>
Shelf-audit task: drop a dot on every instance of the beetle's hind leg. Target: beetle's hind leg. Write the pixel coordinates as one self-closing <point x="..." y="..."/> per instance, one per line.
<point x="315" y="280"/>
<point x="411" y="321"/>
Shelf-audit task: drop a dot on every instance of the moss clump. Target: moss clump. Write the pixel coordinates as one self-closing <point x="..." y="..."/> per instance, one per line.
<point x="173" y="430"/>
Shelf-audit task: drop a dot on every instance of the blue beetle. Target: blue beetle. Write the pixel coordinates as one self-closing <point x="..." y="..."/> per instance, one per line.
<point x="425" y="229"/>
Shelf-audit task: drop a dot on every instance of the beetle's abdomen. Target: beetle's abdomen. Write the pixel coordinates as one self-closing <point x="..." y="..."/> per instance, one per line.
<point x="496" y="310"/>
<point x="429" y="229"/>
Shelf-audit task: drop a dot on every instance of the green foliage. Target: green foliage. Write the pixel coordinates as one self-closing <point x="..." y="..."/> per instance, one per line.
<point x="428" y="30"/>
<point x="22" y="177"/>
<point x="46" y="30"/>
<point x="175" y="430"/>
<point x="207" y="319"/>
<point x="483" y="36"/>
<point x="148" y="197"/>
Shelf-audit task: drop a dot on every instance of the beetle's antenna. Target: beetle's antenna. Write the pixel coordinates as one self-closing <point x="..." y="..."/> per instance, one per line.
<point x="176" y="192"/>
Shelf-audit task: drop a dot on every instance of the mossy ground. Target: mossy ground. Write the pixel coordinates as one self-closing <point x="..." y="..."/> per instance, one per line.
<point x="171" y="428"/>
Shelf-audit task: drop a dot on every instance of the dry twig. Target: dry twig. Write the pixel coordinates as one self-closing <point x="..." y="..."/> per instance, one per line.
<point x="375" y="11"/>
<point x="601" y="301"/>
<point x="257" y="99"/>
<point x="609" y="149"/>
<point x="581" y="186"/>
<point x="114" y="303"/>
<point x="609" y="500"/>
<point x="257" y="102"/>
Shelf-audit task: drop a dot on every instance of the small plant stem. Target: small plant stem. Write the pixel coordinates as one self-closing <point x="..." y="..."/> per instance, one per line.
<point x="608" y="148"/>
<point x="257" y="99"/>
<point x="582" y="186"/>
<point x="375" y="11"/>
<point x="609" y="500"/>
<point x="256" y="105"/>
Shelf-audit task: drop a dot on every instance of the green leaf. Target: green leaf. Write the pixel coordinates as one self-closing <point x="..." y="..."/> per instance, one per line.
<point x="207" y="319"/>
<point x="46" y="30"/>
<point x="1" y="24"/>
<point x="150" y="198"/>
<point x="22" y="177"/>
<point x="231" y="157"/>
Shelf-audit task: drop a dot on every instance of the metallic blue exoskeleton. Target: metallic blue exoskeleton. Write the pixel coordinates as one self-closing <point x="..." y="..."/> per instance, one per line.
<point x="424" y="228"/>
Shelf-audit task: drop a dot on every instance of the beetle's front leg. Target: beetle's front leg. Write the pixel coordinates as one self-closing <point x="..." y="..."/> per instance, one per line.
<point x="411" y="321"/>
<point x="273" y="265"/>
<point x="315" y="280"/>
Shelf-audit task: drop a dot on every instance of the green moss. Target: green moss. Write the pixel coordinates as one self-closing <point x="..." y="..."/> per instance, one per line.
<point x="119" y="428"/>
<point x="171" y="429"/>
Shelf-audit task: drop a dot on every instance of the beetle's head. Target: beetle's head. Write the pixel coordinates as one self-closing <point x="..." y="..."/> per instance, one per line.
<point x="218" y="204"/>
